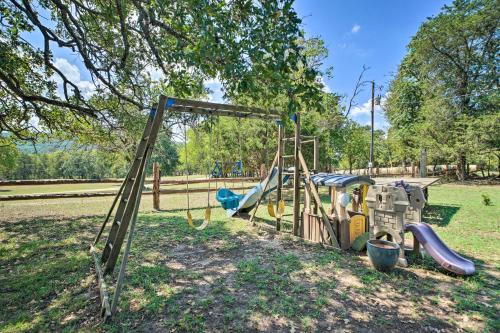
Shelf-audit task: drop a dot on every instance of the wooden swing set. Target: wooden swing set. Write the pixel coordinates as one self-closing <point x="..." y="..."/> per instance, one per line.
<point x="129" y="194"/>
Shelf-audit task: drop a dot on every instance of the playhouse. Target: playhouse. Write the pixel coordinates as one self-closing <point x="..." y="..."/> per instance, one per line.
<point x="376" y="211"/>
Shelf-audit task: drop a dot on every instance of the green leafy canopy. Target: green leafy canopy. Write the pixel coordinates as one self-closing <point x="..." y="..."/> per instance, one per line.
<point x="255" y="49"/>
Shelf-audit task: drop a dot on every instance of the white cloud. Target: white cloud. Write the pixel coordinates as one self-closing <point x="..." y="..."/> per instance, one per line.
<point x="366" y="107"/>
<point x="355" y="28"/>
<point x="325" y="88"/>
<point x="72" y="73"/>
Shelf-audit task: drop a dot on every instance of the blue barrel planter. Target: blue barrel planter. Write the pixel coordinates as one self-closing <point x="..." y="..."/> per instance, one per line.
<point x="383" y="254"/>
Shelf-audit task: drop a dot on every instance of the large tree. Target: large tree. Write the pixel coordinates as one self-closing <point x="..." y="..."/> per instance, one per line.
<point x="254" y="48"/>
<point x="447" y="81"/>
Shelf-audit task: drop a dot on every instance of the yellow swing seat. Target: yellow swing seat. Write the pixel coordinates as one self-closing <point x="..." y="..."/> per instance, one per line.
<point x="206" y="220"/>
<point x="281" y="209"/>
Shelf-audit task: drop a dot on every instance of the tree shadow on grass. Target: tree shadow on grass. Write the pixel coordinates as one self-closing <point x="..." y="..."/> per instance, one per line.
<point x="440" y="215"/>
<point x="473" y="294"/>
<point x="45" y="275"/>
<point x="180" y="279"/>
<point x="218" y="279"/>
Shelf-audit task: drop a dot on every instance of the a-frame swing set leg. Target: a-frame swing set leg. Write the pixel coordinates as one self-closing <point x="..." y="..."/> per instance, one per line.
<point x="128" y="198"/>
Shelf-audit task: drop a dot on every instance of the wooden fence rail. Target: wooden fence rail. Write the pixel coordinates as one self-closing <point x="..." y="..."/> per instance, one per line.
<point x="119" y="180"/>
<point x="103" y="194"/>
<point x="58" y="181"/>
<point x="212" y="180"/>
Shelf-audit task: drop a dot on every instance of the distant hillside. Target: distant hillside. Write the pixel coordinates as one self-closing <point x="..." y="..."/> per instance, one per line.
<point x="45" y="147"/>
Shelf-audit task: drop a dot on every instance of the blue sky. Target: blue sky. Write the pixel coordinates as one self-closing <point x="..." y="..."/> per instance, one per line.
<point x="356" y="32"/>
<point x="363" y="32"/>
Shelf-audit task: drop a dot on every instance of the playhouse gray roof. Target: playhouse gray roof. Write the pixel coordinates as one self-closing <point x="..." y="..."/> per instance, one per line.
<point x="339" y="180"/>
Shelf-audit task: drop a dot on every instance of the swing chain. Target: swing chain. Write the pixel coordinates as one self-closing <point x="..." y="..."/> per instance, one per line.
<point x="240" y="159"/>
<point x="186" y="169"/>
<point x="209" y="157"/>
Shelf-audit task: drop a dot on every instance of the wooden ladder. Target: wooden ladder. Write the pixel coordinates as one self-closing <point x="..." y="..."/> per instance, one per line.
<point x="129" y="199"/>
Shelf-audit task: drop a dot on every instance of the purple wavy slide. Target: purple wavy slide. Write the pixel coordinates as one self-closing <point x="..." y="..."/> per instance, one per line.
<point x="438" y="250"/>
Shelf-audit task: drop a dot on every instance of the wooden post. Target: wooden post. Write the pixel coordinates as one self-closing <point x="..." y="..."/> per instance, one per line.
<point x="316" y="165"/>
<point x="332" y="201"/>
<point x="296" y="177"/>
<point x="307" y="202"/>
<point x="316" y="155"/>
<point x="281" y="135"/>
<point x="413" y="169"/>
<point x="423" y="163"/>
<point x="372" y="130"/>
<point x="156" y="185"/>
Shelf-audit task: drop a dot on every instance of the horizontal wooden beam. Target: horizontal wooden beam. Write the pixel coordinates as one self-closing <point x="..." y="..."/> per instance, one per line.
<point x="181" y="102"/>
<point x="225" y="113"/>
<point x="208" y="108"/>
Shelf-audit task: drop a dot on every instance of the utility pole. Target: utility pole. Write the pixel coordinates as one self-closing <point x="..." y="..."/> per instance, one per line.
<point x="370" y="165"/>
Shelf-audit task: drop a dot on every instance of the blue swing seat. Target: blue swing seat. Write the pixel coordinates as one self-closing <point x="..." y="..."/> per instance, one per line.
<point x="228" y="199"/>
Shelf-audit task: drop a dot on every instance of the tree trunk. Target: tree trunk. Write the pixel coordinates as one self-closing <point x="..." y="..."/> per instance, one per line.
<point x="498" y="166"/>
<point x="462" y="167"/>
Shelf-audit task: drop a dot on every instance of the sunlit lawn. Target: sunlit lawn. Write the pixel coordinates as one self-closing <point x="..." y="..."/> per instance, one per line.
<point x="233" y="277"/>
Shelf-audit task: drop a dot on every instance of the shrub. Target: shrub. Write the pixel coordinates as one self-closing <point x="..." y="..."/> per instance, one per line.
<point x="486" y="199"/>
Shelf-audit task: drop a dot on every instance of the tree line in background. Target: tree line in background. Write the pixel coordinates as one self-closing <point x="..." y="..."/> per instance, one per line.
<point x="344" y="146"/>
<point x="80" y="162"/>
<point x="70" y="164"/>
<point x="443" y="100"/>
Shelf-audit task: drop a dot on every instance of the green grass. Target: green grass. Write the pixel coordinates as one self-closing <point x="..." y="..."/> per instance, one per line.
<point x="457" y="214"/>
<point x="232" y="277"/>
